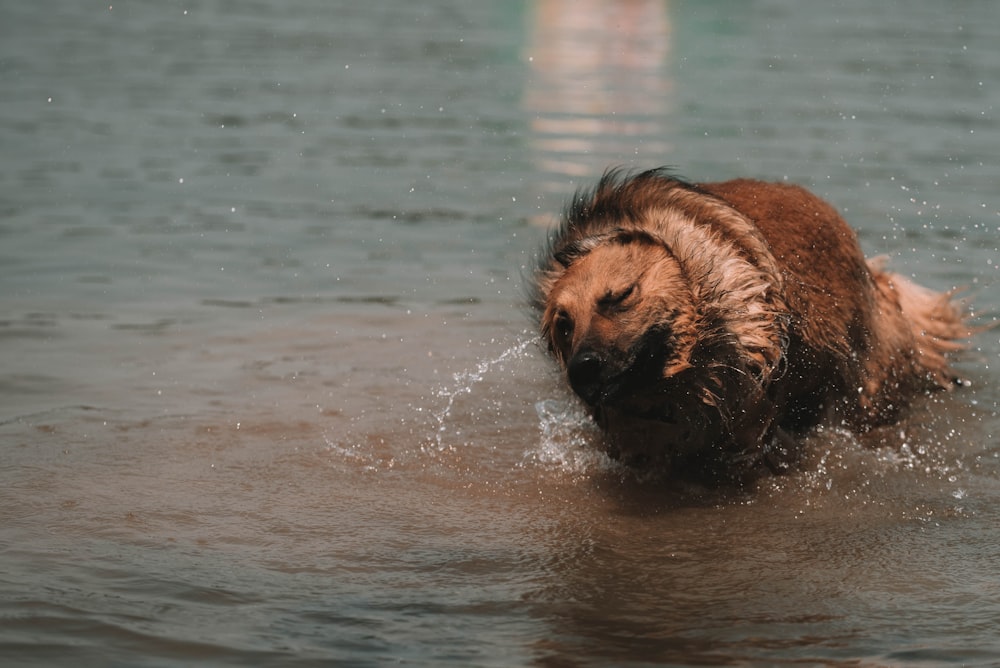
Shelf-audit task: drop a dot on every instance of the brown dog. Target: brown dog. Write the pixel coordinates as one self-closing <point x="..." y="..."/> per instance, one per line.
<point x="701" y="324"/>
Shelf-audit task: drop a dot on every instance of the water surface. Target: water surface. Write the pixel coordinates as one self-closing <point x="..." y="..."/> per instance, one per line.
<point x="269" y="392"/>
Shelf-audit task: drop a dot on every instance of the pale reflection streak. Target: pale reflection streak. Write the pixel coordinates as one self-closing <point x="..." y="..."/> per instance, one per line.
<point x="599" y="90"/>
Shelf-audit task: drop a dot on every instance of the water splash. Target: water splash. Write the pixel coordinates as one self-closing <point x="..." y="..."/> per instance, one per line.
<point x="569" y="438"/>
<point x="464" y="382"/>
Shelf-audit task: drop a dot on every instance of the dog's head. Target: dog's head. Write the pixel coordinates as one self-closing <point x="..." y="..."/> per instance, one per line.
<point x="650" y="351"/>
<point x="665" y="308"/>
<point x="621" y="318"/>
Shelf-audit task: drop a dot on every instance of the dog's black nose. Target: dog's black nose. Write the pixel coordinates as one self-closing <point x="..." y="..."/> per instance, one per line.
<point x="584" y="372"/>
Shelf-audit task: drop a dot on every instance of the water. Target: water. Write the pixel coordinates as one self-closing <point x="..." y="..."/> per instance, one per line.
<point x="269" y="392"/>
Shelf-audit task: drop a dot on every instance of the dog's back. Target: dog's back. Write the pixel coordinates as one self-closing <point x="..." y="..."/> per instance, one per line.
<point x="886" y="336"/>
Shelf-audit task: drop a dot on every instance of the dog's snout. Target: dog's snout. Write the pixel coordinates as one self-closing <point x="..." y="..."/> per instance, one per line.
<point x="584" y="372"/>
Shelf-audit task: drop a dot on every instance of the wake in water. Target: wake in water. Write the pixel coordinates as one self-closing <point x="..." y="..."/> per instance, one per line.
<point x="503" y="415"/>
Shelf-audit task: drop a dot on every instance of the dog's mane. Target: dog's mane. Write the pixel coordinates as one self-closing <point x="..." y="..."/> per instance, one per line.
<point x="617" y="196"/>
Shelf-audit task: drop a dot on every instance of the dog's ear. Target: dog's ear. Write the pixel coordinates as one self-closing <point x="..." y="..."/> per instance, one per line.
<point x="625" y="236"/>
<point x="565" y="255"/>
<point x="574" y="250"/>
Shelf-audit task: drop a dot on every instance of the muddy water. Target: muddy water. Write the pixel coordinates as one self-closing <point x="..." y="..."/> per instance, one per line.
<point x="268" y="390"/>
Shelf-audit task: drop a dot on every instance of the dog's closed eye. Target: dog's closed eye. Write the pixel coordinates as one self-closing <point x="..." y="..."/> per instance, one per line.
<point x="616" y="299"/>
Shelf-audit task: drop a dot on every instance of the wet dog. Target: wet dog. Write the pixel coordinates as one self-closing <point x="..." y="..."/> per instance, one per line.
<point x="705" y="325"/>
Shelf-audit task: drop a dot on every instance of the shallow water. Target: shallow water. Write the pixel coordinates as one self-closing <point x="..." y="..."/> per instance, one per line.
<point x="268" y="390"/>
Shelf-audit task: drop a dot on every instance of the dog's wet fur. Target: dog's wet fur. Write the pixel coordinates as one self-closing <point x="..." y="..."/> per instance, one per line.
<point x="705" y="326"/>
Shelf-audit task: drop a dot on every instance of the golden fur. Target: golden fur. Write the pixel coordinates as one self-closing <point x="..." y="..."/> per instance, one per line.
<point x="701" y="324"/>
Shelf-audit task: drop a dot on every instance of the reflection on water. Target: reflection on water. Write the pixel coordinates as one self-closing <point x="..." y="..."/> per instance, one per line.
<point x="290" y="410"/>
<point x="599" y="86"/>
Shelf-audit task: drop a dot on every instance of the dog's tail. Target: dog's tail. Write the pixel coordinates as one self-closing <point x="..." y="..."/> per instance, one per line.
<point x="938" y="322"/>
